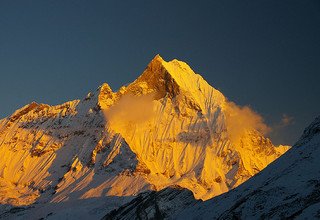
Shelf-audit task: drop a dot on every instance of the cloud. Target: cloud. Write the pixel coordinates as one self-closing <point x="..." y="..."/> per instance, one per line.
<point x="286" y="120"/>
<point x="279" y="128"/>
<point x="130" y="110"/>
<point x="240" y="119"/>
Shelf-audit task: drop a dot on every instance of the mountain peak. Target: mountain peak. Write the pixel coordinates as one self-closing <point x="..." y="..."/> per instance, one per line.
<point x="175" y="78"/>
<point x="24" y="110"/>
<point x="105" y="96"/>
<point x="175" y="68"/>
<point x="156" y="63"/>
<point x="155" y="79"/>
<point x="157" y="58"/>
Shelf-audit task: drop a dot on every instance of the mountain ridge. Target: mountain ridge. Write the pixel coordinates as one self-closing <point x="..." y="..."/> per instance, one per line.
<point x="288" y="188"/>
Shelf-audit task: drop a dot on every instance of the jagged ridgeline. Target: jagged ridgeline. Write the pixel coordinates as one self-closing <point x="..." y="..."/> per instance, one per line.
<point x="168" y="127"/>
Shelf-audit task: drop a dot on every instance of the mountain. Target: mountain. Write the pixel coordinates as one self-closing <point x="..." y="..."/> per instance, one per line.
<point x="167" y="128"/>
<point x="289" y="188"/>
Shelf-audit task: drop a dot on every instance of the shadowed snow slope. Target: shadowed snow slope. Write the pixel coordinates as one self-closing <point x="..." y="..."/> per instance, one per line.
<point x="168" y="127"/>
<point x="288" y="188"/>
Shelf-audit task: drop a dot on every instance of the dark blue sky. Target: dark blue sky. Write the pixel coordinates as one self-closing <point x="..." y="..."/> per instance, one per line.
<point x="265" y="54"/>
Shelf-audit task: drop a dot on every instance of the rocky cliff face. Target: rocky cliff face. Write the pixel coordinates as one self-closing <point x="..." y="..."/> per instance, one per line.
<point x="168" y="127"/>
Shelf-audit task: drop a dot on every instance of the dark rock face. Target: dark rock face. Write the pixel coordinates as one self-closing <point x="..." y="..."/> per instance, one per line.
<point x="155" y="205"/>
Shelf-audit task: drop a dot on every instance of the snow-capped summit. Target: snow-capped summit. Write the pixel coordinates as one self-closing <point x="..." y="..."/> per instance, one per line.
<point x="186" y="141"/>
<point x="172" y="79"/>
<point x="168" y="127"/>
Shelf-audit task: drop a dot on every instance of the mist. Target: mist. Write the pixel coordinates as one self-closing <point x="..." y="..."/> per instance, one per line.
<point x="130" y="110"/>
<point x="241" y="119"/>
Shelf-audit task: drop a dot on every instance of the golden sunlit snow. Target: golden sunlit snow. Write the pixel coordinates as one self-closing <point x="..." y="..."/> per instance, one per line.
<point x="169" y="127"/>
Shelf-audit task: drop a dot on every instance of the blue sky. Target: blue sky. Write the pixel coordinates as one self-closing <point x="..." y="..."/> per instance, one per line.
<point x="265" y="54"/>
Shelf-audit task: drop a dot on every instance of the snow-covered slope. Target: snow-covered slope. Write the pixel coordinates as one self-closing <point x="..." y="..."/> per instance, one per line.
<point x="288" y="188"/>
<point x="168" y="127"/>
<point x="184" y="139"/>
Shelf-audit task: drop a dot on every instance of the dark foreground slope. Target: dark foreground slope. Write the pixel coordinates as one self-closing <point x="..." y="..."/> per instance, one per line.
<point x="155" y="205"/>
